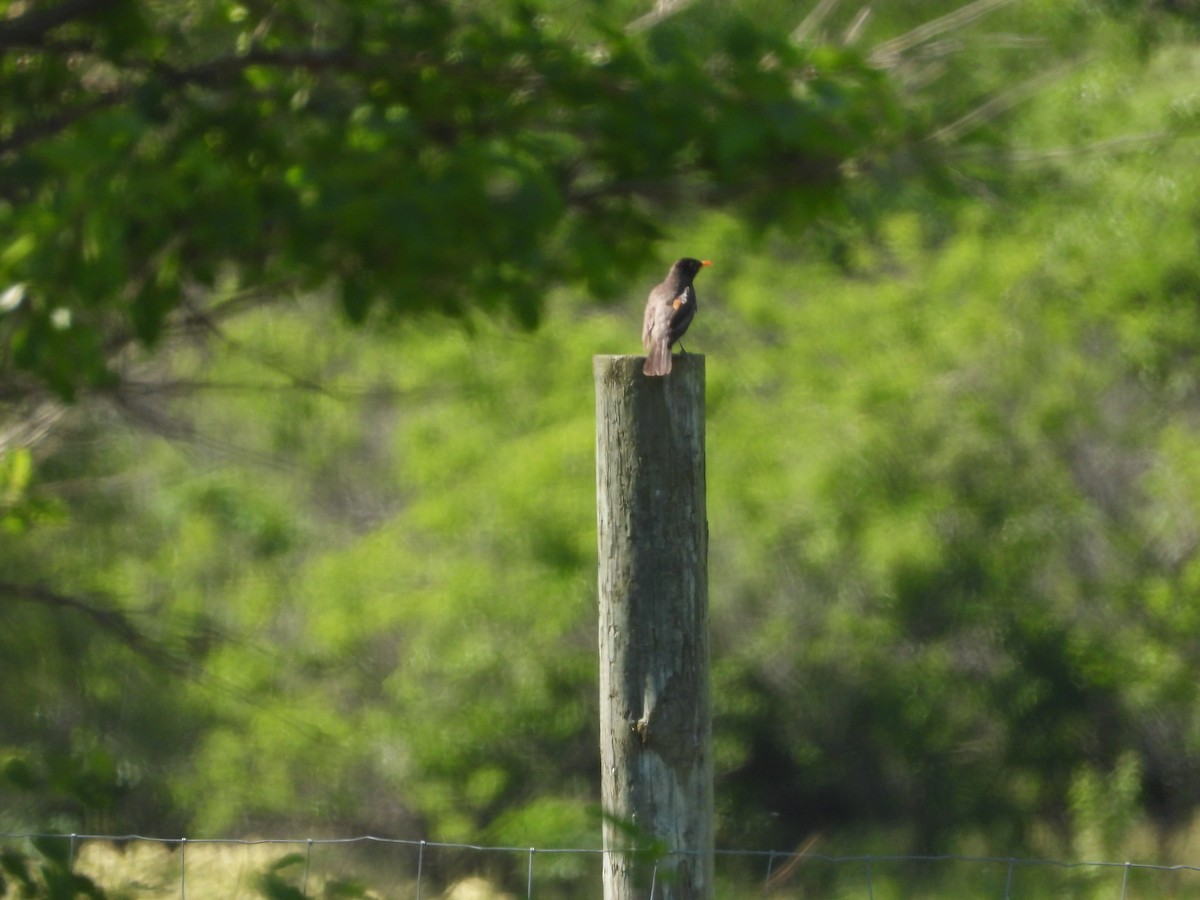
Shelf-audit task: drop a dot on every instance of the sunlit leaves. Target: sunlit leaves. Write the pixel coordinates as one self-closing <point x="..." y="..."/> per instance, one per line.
<point x="451" y="156"/>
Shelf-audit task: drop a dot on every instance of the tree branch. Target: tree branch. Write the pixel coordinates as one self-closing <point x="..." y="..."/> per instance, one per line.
<point x="216" y="70"/>
<point x="114" y="621"/>
<point x="208" y="74"/>
<point x="52" y="125"/>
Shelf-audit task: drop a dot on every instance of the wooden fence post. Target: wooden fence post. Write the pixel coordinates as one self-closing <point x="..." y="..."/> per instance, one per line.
<point x="655" y="704"/>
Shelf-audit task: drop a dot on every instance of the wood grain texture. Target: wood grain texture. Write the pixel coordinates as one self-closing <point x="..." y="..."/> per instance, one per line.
<point x="655" y="704"/>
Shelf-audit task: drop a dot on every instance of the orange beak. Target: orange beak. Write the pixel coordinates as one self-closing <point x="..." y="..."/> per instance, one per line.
<point x="706" y="262"/>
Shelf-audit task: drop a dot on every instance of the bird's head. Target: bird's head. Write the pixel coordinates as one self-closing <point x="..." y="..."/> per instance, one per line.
<point x="689" y="267"/>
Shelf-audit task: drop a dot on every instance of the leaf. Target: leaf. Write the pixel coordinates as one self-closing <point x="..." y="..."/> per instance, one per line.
<point x="16" y="469"/>
<point x="57" y="850"/>
<point x="17" y="867"/>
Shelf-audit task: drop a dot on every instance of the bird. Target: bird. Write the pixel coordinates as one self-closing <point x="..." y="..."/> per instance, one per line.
<point x="669" y="311"/>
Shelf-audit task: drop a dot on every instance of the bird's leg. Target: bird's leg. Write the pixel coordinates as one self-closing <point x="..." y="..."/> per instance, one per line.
<point x="682" y="351"/>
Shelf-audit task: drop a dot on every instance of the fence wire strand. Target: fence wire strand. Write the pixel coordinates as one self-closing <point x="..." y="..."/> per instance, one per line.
<point x="771" y="858"/>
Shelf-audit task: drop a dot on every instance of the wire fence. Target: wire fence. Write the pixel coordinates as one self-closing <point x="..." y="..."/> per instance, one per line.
<point x="134" y="865"/>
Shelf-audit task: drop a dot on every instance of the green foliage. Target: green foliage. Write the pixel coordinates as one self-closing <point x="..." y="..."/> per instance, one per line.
<point x="952" y="469"/>
<point x="278" y="882"/>
<point x="45" y="873"/>
<point x="18" y="511"/>
<point x="1105" y="808"/>
<point x="428" y="156"/>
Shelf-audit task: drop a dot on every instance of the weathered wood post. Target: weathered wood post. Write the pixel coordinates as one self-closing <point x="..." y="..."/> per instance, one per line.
<point x="655" y="704"/>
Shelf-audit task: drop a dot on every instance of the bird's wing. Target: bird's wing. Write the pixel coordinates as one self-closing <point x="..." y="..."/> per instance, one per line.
<point x="659" y="297"/>
<point x="686" y="296"/>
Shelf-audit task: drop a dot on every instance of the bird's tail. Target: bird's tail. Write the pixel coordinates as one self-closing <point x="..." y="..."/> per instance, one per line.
<point x="658" y="362"/>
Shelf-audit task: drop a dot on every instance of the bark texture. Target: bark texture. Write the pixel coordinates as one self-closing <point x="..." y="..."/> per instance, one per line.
<point x="655" y="704"/>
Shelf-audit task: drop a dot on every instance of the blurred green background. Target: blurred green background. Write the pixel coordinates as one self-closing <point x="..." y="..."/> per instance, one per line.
<point x="297" y="513"/>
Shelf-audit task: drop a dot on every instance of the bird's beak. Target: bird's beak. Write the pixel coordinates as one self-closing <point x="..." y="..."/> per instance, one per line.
<point x="706" y="262"/>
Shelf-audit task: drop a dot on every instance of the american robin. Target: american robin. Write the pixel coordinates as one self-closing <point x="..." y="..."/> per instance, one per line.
<point x="669" y="312"/>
